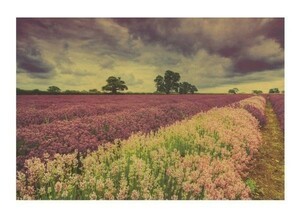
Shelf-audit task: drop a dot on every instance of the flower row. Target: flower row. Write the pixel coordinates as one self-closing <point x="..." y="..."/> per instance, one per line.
<point x="46" y="109"/>
<point x="256" y="106"/>
<point x="277" y="102"/>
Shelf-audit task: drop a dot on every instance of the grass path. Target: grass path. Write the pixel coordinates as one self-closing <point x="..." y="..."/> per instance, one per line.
<point x="268" y="172"/>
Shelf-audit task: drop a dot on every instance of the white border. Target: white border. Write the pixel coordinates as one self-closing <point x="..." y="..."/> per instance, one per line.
<point x="13" y="210"/>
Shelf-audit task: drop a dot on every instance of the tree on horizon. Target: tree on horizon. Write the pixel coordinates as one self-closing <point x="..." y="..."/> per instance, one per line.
<point x="54" y="89"/>
<point x="186" y="87"/>
<point x="168" y="83"/>
<point x="114" y="84"/>
<point x="274" y="90"/>
<point x="233" y="91"/>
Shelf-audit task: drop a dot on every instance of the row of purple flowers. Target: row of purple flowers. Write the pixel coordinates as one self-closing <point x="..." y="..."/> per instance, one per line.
<point x="89" y="132"/>
<point x="277" y="101"/>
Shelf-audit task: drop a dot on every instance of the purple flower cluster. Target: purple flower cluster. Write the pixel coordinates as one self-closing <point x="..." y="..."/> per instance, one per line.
<point x="95" y="120"/>
<point x="277" y="101"/>
<point x="258" y="114"/>
<point x="46" y="109"/>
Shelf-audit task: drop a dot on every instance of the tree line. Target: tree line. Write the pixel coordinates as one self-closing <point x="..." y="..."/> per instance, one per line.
<point x="169" y="83"/>
<point x="255" y="91"/>
<point x="164" y="85"/>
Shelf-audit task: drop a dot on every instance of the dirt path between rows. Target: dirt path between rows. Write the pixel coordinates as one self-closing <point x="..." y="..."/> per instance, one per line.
<point x="268" y="172"/>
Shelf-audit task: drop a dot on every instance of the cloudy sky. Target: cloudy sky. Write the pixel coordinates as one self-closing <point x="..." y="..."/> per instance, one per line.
<point x="213" y="54"/>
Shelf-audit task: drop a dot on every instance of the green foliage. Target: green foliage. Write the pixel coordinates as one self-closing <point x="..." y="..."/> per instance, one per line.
<point x="257" y="91"/>
<point x="160" y="85"/>
<point x="186" y="87"/>
<point x="170" y="83"/>
<point x="233" y="91"/>
<point x="53" y="89"/>
<point x="114" y="84"/>
<point x="274" y="90"/>
<point x="36" y="91"/>
<point x="93" y="91"/>
<point x="71" y="91"/>
<point x="251" y="184"/>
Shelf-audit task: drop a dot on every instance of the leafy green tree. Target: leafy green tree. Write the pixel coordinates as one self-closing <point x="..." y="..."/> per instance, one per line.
<point x="168" y="83"/>
<point x="193" y="89"/>
<point x="159" y="82"/>
<point x="257" y="91"/>
<point x="171" y="80"/>
<point x="233" y="91"/>
<point x="36" y="91"/>
<point x="186" y="87"/>
<point x="93" y="91"/>
<point x="53" y="89"/>
<point x="114" y="84"/>
<point x="274" y="90"/>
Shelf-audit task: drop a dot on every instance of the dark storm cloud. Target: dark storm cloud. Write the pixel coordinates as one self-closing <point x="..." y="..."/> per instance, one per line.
<point x="160" y="31"/>
<point x="56" y="28"/>
<point x="30" y="61"/>
<point x="93" y="34"/>
<point x="242" y="66"/>
<point x="224" y="37"/>
<point x="275" y="30"/>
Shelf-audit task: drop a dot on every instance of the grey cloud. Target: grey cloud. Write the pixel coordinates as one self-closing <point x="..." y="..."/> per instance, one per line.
<point x="254" y="77"/>
<point x="163" y="61"/>
<point x="225" y="37"/>
<point x="106" y="62"/>
<point x="246" y="65"/>
<point x="30" y="61"/>
<point x="92" y="33"/>
<point x="76" y="71"/>
<point x="131" y="80"/>
<point x="62" y="58"/>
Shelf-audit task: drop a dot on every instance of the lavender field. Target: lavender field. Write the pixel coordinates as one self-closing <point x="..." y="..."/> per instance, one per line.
<point x="63" y="124"/>
<point x="137" y="147"/>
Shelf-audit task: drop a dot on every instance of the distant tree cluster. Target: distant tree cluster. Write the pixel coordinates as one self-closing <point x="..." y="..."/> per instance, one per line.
<point x="274" y="90"/>
<point x="186" y="87"/>
<point x="53" y="89"/>
<point x="170" y="83"/>
<point x="233" y="91"/>
<point x="94" y="91"/>
<point x="255" y="91"/>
